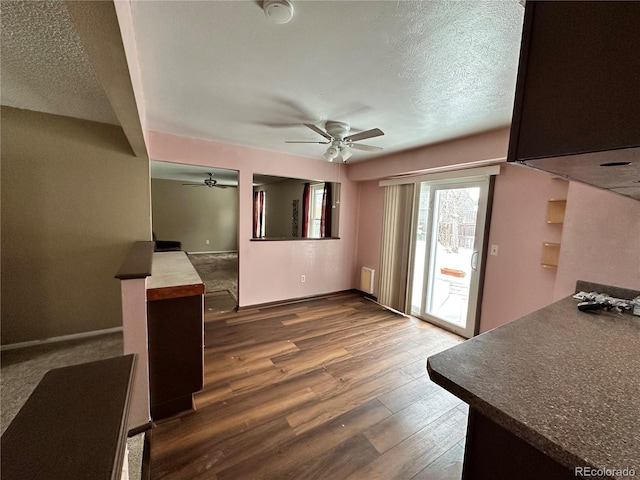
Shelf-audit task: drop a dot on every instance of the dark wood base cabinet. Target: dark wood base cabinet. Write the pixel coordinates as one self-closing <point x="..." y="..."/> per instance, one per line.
<point x="175" y="354"/>
<point x="175" y="332"/>
<point x="494" y="453"/>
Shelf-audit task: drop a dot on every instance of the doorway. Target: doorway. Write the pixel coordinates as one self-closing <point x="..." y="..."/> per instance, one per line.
<point x="197" y="208"/>
<point x="447" y="257"/>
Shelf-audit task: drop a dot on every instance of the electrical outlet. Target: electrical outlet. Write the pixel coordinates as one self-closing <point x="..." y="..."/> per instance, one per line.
<point x="206" y="242"/>
<point x="303" y="278"/>
<point x="494" y="249"/>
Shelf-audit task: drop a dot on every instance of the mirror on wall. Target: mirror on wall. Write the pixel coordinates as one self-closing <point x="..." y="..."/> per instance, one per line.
<point x="294" y="208"/>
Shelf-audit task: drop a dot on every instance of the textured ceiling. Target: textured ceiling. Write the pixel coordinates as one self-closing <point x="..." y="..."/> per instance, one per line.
<point x="422" y="71"/>
<point x="44" y="65"/>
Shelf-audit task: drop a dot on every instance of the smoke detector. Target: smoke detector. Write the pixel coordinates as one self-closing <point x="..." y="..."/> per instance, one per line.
<point x="278" y="11"/>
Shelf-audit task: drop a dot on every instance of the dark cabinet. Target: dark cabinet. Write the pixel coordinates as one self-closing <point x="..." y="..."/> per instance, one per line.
<point x="578" y="92"/>
<point x="175" y="331"/>
<point x="175" y="353"/>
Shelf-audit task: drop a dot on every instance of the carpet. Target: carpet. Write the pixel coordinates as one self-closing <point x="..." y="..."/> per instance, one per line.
<point x="218" y="302"/>
<point x="218" y="271"/>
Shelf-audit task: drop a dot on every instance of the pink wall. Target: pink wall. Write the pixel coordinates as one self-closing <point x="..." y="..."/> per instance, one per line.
<point x="270" y="271"/>
<point x="600" y="241"/>
<point x="135" y="335"/>
<point x="515" y="281"/>
<point x="466" y="152"/>
<point x="470" y="151"/>
<point x="370" y="204"/>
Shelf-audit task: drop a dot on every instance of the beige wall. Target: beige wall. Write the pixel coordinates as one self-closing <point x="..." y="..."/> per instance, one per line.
<point x="279" y="197"/>
<point x="193" y="215"/>
<point x="74" y="199"/>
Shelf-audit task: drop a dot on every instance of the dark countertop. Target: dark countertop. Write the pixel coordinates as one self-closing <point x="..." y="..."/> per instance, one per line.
<point x="565" y="381"/>
<point x="138" y="262"/>
<point x="73" y="426"/>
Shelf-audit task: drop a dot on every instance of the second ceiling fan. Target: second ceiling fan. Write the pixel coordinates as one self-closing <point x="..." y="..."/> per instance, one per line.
<point x="208" y="182"/>
<point x="341" y="143"/>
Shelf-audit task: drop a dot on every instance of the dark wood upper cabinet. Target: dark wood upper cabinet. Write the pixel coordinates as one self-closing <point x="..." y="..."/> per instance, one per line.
<point x="578" y="92"/>
<point x="578" y="85"/>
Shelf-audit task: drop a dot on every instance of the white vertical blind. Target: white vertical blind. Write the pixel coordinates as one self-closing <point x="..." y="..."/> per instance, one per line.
<point x="396" y="241"/>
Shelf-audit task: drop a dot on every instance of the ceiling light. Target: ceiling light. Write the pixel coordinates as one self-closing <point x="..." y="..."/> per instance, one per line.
<point x="345" y="153"/>
<point x="331" y="153"/>
<point x="278" y="11"/>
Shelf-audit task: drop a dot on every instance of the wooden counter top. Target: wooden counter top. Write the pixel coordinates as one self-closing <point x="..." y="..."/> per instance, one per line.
<point x="564" y="381"/>
<point x="173" y="276"/>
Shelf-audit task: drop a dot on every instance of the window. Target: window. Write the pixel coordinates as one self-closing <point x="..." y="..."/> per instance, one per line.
<point x="315" y="210"/>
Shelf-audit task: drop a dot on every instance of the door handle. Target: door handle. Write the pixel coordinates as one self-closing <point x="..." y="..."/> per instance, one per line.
<point x="474" y="261"/>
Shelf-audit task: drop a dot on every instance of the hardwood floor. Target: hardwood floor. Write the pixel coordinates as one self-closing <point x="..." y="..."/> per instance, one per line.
<point x="333" y="388"/>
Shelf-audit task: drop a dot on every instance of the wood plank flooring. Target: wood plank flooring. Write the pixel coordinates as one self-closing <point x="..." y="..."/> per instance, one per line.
<point x="332" y="388"/>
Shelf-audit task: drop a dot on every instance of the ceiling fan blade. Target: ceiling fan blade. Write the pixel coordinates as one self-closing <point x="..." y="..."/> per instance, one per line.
<point x="374" y="132"/>
<point x="193" y="185"/>
<point x="366" y="148"/>
<point x="319" y="131"/>
<point x="296" y="141"/>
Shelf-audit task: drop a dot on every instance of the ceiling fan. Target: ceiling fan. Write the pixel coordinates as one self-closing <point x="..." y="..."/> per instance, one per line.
<point x="208" y="182"/>
<point x="337" y="134"/>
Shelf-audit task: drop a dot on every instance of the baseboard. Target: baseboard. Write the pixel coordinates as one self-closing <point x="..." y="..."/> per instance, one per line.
<point x="213" y="251"/>
<point x="297" y="299"/>
<point x="63" y="338"/>
<point x="369" y="296"/>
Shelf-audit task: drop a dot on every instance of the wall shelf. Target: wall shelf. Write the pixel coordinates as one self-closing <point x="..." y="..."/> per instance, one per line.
<point x="555" y="210"/>
<point x="550" y="254"/>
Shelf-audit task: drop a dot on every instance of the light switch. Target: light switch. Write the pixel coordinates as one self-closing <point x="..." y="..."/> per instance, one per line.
<point x="494" y="249"/>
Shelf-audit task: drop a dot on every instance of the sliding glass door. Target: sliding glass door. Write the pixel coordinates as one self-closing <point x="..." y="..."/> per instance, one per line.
<point x="449" y="226"/>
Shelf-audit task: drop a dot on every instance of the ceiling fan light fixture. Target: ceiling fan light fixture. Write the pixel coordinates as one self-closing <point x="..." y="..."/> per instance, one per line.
<point x="278" y="11"/>
<point x="345" y="153"/>
<point x="342" y="144"/>
<point x="331" y="153"/>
